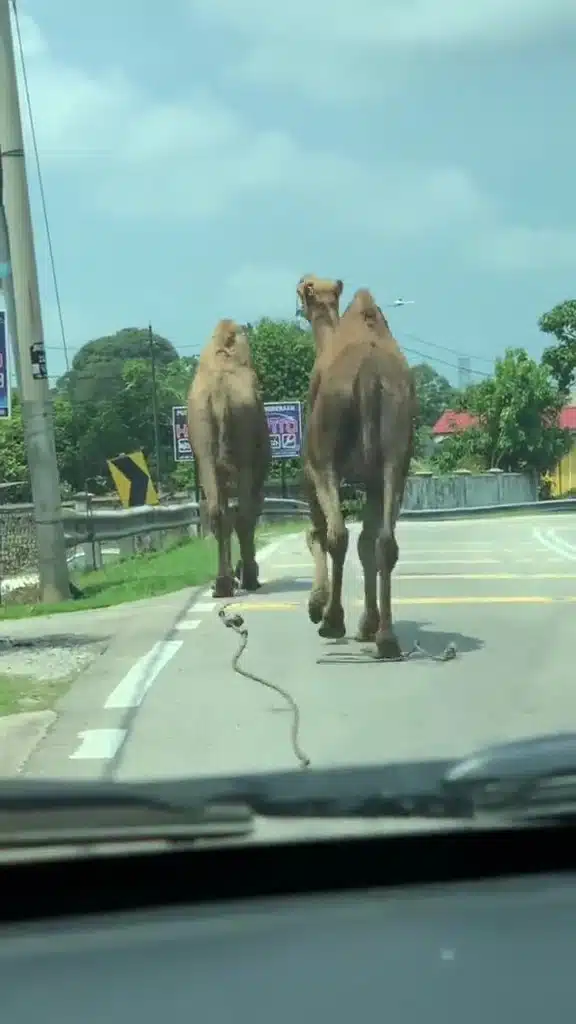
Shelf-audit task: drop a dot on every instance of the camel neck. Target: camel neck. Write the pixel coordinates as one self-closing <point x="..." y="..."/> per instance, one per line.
<point x="324" y="324"/>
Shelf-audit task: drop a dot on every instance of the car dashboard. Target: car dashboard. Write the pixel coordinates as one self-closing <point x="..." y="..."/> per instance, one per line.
<point x="468" y="951"/>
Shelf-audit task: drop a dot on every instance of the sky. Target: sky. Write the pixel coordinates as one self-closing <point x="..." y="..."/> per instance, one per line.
<point x="199" y="156"/>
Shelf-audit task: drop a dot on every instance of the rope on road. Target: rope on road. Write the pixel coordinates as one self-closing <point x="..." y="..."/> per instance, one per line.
<point x="237" y="624"/>
<point x="368" y="657"/>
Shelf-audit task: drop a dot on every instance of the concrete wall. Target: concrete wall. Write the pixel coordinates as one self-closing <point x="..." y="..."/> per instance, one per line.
<point x="465" y="490"/>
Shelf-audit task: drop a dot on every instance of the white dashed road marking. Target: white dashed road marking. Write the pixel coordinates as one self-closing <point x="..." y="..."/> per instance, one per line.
<point x="131" y="690"/>
<point x="98" y="744"/>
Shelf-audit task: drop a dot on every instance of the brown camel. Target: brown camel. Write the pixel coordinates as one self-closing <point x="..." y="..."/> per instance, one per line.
<point x="360" y="427"/>
<point x="229" y="437"/>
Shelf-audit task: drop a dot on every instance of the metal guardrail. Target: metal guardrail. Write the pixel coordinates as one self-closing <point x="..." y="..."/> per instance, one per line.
<point x="533" y="507"/>
<point x="85" y="527"/>
<point x="116" y="524"/>
<point x="101" y="525"/>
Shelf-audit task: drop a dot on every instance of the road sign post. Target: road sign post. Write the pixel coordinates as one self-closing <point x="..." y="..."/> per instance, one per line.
<point x="182" y="449"/>
<point x="132" y="480"/>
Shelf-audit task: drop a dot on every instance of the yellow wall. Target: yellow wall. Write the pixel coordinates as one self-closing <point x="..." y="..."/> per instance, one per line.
<point x="564" y="476"/>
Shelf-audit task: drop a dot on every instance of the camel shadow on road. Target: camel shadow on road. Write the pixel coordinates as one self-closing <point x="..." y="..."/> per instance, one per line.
<point x="432" y="643"/>
<point x="286" y="585"/>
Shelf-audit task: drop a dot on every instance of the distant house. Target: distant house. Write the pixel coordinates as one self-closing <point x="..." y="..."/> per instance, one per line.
<point x="564" y="476"/>
<point x="452" y="423"/>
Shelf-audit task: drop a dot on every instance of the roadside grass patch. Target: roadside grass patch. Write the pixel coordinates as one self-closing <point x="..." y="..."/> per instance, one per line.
<point x="268" y="531"/>
<point x="187" y="564"/>
<point x="150" y="574"/>
<point x="27" y="693"/>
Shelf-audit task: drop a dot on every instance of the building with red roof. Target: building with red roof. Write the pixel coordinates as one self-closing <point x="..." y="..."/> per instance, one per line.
<point x="564" y="476"/>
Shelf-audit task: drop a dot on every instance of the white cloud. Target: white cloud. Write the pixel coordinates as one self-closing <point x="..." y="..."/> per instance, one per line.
<point x="191" y="159"/>
<point x="345" y="50"/>
<point x="519" y="249"/>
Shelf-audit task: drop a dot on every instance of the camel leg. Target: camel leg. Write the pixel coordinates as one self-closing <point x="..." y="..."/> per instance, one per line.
<point x="249" y="505"/>
<point x="316" y="540"/>
<point x="220" y="525"/>
<point x="326" y="486"/>
<point x="387" y="646"/>
<point x="371" y="522"/>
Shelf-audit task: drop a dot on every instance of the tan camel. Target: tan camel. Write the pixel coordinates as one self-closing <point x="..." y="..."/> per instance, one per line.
<point x="360" y="427"/>
<point x="229" y="437"/>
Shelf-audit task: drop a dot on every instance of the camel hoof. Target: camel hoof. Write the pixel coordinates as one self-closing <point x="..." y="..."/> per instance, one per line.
<point x="251" y="585"/>
<point x="367" y="630"/>
<point x="388" y="648"/>
<point x="315" y="612"/>
<point x="224" y="586"/>
<point x="332" y="629"/>
<point x="248" y="576"/>
<point x="316" y="604"/>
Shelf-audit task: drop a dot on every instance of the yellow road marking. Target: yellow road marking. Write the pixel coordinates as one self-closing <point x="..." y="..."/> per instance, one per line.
<point x="280" y="606"/>
<point x="480" y="600"/>
<point x="487" y="576"/>
<point x="294" y="565"/>
<point x="263" y="606"/>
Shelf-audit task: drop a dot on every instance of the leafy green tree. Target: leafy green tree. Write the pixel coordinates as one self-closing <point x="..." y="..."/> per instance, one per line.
<point x="435" y="394"/>
<point x="96" y="372"/>
<point x="283" y="355"/>
<point x="13" y="461"/>
<point x="517" y="420"/>
<point x="561" y="357"/>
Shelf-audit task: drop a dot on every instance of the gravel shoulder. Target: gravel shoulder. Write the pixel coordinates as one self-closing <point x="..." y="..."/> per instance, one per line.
<point x="55" y="662"/>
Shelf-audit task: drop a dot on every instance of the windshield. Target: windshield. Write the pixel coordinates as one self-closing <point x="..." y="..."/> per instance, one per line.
<point x="288" y="441"/>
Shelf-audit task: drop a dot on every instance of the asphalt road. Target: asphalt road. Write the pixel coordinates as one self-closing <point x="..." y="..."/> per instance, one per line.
<point x="503" y="590"/>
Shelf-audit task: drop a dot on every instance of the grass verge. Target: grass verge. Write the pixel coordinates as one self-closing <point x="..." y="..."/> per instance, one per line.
<point x="148" y="575"/>
<point x="26" y="693"/>
<point x="268" y="531"/>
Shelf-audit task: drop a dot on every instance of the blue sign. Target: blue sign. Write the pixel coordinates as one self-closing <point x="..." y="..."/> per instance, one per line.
<point x="5" y="389"/>
<point x="285" y="429"/>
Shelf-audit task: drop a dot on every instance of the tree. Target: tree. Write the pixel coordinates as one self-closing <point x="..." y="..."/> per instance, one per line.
<point x="283" y="355"/>
<point x="13" y="461"/>
<point x="96" y="372"/>
<point x="517" y="420"/>
<point x="561" y="357"/>
<point x="435" y="394"/>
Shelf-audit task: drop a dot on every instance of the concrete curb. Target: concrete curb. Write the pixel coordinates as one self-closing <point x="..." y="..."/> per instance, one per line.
<point x="19" y="736"/>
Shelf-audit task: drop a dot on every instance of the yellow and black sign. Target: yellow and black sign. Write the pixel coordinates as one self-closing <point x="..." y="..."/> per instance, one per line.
<point x="132" y="480"/>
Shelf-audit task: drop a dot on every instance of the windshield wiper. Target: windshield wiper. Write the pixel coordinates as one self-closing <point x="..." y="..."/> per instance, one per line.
<point x="525" y="779"/>
<point x="43" y="813"/>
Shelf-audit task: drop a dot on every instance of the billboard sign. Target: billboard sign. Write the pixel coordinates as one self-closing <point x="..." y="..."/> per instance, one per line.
<point x="284" y="428"/>
<point x="182" y="449"/>
<point x="5" y="389"/>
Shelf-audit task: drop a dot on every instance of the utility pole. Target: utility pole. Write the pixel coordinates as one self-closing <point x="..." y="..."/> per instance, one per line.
<point x="20" y="283"/>
<point x="155" y="418"/>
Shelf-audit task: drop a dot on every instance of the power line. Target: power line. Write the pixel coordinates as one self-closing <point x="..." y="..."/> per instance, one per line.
<point x="40" y="184"/>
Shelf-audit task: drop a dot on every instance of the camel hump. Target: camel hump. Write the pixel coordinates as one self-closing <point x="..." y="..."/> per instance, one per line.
<point x="364" y="304"/>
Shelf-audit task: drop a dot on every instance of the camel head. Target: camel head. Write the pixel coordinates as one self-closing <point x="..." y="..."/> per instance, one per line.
<point x="230" y="339"/>
<point x="318" y="298"/>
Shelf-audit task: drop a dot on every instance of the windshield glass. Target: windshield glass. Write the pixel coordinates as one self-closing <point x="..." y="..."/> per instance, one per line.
<point x="287" y="403"/>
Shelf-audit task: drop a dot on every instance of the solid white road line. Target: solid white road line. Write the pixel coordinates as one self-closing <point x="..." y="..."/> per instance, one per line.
<point x="98" y="744"/>
<point x="132" y="688"/>
<point x="549" y="539"/>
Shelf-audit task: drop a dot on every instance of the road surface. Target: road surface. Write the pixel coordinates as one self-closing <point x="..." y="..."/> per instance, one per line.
<point x="503" y="590"/>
